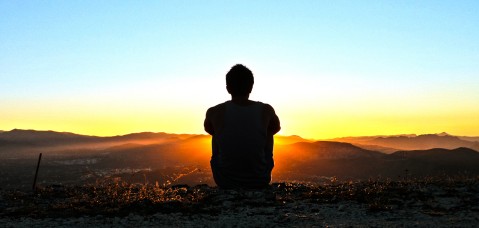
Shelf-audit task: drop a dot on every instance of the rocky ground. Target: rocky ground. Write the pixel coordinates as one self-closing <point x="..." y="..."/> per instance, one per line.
<point x="423" y="203"/>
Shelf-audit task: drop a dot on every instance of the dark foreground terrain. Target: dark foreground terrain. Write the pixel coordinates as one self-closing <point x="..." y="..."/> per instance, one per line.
<point x="440" y="202"/>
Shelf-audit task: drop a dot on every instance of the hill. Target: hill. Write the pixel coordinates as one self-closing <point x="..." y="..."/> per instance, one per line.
<point x="438" y="160"/>
<point x="176" y="159"/>
<point x="52" y="138"/>
<point x="412" y="142"/>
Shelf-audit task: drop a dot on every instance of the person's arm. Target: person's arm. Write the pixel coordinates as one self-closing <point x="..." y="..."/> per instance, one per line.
<point x="274" y="125"/>
<point x="272" y="128"/>
<point x="207" y="124"/>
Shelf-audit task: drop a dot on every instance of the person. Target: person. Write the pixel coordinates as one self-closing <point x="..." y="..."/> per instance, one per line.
<point x="242" y="135"/>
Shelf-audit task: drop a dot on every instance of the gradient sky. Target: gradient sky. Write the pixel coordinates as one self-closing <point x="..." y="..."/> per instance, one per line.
<point x="330" y="68"/>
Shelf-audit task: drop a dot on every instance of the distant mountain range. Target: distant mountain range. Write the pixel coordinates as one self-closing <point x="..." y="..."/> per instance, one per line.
<point x="361" y="163"/>
<point x="52" y="138"/>
<point x="295" y="158"/>
<point x="389" y="144"/>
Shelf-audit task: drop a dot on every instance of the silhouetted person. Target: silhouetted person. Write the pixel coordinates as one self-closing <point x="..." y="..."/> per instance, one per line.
<point x="242" y="130"/>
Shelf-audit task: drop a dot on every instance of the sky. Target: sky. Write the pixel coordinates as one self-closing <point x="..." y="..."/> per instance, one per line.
<point x="329" y="68"/>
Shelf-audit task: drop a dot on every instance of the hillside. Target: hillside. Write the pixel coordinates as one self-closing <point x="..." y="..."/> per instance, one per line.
<point x="413" y="142"/>
<point x="184" y="159"/>
<point x="52" y="138"/>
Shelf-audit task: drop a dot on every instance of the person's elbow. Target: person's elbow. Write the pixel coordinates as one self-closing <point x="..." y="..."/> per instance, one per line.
<point x="209" y="129"/>
<point x="274" y="128"/>
<point x="208" y="126"/>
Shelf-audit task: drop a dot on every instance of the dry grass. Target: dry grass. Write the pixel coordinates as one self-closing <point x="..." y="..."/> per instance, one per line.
<point x="118" y="198"/>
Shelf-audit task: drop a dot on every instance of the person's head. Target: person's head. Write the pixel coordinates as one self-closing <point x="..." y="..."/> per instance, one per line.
<point x="239" y="80"/>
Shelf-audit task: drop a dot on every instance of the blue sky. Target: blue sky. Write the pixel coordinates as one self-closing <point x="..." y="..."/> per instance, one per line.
<point x="310" y="56"/>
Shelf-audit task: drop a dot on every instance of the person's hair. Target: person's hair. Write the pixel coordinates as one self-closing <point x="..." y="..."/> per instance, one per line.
<point x="239" y="80"/>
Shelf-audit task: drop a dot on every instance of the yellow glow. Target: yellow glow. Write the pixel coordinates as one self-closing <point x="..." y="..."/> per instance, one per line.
<point x="303" y="110"/>
<point x="308" y="123"/>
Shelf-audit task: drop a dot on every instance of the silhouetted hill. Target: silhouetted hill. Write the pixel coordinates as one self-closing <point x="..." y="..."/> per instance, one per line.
<point x="382" y="149"/>
<point x="18" y="137"/>
<point x="363" y="139"/>
<point x="329" y="150"/>
<point x="460" y="155"/>
<point x="43" y="137"/>
<point x="469" y="138"/>
<point x="436" y="161"/>
<point x="412" y="142"/>
<point x="143" y="136"/>
<point x="421" y="142"/>
<point x="190" y="151"/>
<point x="315" y="160"/>
<point x="72" y="157"/>
<point x="284" y="140"/>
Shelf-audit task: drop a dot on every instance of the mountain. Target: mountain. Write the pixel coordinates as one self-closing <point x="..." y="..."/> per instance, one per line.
<point x="460" y="155"/>
<point x="150" y="136"/>
<point x="328" y="150"/>
<point x="437" y="161"/>
<point x="18" y="137"/>
<point x="71" y="157"/>
<point x="443" y="134"/>
<point x="190" y="151"/>
<point x="312" y="161"/>
<point x="42" y="137"/>
<point x="284" y="140"/>
<point x="363" y="139"/>
<point x="421" y="142"/>
<point x="412" y="142"/>
<point x="52" y="138"/>
<point x="469" y="138"/>
<point x="382" y="149"/>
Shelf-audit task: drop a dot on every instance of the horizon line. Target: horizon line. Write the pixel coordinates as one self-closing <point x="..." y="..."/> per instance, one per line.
<point x="157" y="132"/>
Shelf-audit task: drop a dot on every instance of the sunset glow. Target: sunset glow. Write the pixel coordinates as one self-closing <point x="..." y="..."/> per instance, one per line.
<point x="330" y="69"/>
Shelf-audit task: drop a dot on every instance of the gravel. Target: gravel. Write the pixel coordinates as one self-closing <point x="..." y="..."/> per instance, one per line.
<point x="285" y="205"/>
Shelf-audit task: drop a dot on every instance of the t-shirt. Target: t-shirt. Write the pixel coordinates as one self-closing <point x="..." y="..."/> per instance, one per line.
<point x="242" y="151"/>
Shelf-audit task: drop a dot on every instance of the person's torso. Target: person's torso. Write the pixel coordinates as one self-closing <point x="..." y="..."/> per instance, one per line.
<point x="241" y="142"/>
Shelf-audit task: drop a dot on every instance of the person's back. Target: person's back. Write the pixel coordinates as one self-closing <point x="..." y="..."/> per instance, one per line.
<point x="242" y="131"/>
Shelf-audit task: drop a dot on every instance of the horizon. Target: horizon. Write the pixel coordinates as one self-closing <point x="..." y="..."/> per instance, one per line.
<point x="330" y="70"/>
<point x="277" y="135"/>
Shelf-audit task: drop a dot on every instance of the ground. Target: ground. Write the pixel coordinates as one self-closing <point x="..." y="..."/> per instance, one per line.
<point x="439" y="202"/>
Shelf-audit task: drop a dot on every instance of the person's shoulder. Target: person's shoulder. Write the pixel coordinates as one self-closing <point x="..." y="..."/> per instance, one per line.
<point x="267" y="107"/>
<point x="218" y="106"/>
<point x="215" y="109"/>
